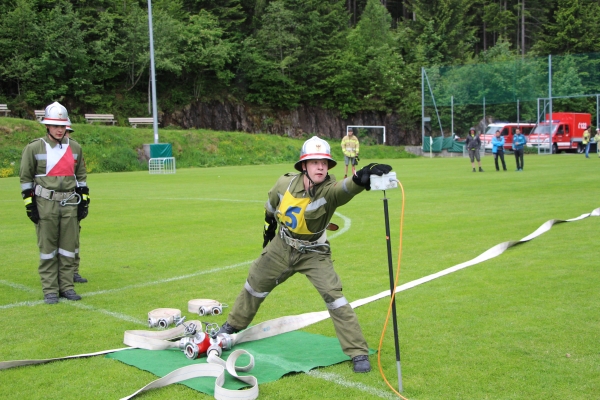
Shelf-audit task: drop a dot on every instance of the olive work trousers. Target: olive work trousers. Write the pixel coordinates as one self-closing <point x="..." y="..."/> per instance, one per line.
<point x="57" y="236"/>
<point x="77" y="260"/>
<point x="277" y="262"/>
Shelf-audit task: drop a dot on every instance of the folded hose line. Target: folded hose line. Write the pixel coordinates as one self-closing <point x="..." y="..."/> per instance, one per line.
<point x="156" y="340"/>
<point x="215" y="367"/>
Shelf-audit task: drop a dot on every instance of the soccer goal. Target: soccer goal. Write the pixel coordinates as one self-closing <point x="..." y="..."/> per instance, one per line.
<point x="161" y="165"/>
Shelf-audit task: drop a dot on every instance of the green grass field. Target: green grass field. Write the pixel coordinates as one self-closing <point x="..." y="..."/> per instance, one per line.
<point x="524" y="325"/>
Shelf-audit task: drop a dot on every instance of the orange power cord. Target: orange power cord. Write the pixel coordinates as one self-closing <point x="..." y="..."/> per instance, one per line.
<point x="393" y="295"/>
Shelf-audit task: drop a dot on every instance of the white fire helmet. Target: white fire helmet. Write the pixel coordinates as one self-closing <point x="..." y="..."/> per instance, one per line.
<point x="56" y="114"/>
<point x="315" y="149"/>
<point x="69" y="129"/>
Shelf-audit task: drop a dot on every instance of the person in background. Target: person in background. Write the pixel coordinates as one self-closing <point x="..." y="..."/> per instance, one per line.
<point x="473" y="144"/>
<point x="76" y="277"/>
<point x="586" y="141"/>
<point x="498" y="150"/>
<point x="519" y="141"/>
<point x="297" y="214"/>
<point x="55" y="193"/>
<point x="350" y="147"/>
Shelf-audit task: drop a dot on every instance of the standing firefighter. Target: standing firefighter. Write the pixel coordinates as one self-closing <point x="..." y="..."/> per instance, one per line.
<point x="350" y="147"/>
<point x="303" y="204"/>
<point x="56" y="195"/>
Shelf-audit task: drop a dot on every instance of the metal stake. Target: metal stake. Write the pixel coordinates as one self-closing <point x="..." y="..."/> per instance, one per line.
<point x="391" y="273"/>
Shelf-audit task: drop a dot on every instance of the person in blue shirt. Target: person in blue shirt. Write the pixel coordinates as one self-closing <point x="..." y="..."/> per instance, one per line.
<point x="518" y="145"/>
<point x="498" y="150"/>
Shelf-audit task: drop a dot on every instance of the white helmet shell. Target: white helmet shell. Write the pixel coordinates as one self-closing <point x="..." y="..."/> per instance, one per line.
<point x="315" y="149"/>
<point x="69" y="129"/>
<point x="56" y="114"/>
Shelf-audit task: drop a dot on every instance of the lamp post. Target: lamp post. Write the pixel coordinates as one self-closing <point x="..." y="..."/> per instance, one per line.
<point x="152" y="73"/>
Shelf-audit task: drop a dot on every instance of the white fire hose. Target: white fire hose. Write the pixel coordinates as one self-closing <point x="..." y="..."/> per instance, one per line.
<point x="163" y="317"/>
<point x="206" y="307"/>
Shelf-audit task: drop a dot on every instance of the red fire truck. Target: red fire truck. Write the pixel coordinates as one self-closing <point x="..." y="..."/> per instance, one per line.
<point x="567" y="131"/>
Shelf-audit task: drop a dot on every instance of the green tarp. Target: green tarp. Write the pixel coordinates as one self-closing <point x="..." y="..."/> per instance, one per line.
<point x="442" y="143"/>
<point x="161" y="150"/>
<point x="436" y="146"/>
<point x="457" y="147"/>
<point x="274" y="357"/>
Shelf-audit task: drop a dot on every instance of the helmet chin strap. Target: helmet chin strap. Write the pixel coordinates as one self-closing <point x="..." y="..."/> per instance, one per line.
<point x="55" y="139"/>
<point x="311" y="188"/>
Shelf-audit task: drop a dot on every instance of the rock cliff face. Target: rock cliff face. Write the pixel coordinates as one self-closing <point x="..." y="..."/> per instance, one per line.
<point x="311" y="120"/>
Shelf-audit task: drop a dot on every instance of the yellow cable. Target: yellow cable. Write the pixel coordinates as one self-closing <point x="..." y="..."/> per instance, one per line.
<point x="393" y="295"/>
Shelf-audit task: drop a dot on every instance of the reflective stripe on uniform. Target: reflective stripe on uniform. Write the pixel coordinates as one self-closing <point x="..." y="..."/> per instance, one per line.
<point x="25" y="186"/>
<point x="41" y="157"/>
<point x="82" y="184"/>
<point x="316" y="204"/>
<point x="337" y="304"/>
<point x="47" y="256"/>
<point x="270" y="208"/>
<point x="28" y="201"/>
<point x="344" y="187"/>
<point x="253" y="292"/>
<point x="76" y="251"/>
<point x="66" y="253"/>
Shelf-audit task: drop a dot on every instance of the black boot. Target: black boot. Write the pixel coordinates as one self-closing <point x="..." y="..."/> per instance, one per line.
<point x="51" y="298"/>
<point x="361" y="364"/>
<point x="78" y="278"/>
<point x="228" y="329"/>
<point x="70" y="295"/>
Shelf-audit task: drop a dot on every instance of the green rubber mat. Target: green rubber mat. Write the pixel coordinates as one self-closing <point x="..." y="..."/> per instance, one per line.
<point x="274" y="357"/>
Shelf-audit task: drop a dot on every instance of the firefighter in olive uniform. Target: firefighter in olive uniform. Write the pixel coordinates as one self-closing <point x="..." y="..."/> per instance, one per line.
<point x="53" y="185"/>
<point x="302" y="204"/>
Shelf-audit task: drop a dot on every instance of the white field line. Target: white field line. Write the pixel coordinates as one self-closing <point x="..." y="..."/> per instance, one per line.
<point x="166" y="280"/>
<point x="99" y="292"/>
<point x="335" y="378"/>
<point x="341" y="381"/>
<point x="117" y="315"/>
<point x="18" y="286"/>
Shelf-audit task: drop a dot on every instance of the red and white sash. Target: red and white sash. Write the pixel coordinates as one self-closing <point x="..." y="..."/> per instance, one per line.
<point x="60" y="160"/>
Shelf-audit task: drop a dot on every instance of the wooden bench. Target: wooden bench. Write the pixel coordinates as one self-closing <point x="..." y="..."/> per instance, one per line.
<point x="134" y="122"/>
<point x="90" y="118"/>
<point x="39" y="114"/>
<point x="4" y="109"/>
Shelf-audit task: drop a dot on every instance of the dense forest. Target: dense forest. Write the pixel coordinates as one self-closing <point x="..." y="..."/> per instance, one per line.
<point x="345" y="56"/>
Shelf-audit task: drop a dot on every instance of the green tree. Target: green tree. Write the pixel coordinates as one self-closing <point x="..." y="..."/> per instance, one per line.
<point x="20" y="45"/>
<point x="573" y="29"/>
<point x="373" y="45"/>
<point x="206" y="53"/>
<point x="268" y="56"/>
<point x="445" y="31"/>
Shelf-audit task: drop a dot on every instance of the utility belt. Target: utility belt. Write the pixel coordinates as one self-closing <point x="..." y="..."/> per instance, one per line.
<point x="62" y="197"/>
<point x="319" y="246"/>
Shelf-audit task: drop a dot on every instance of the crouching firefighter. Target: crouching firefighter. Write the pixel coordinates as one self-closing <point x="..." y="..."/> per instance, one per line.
<point x="298" y="211"/>
<point x="53" y="185"/>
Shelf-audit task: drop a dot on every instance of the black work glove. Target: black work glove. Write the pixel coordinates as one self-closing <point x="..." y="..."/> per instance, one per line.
<point x="363" y="176"/>
<point x="269" y="230"/>
<point x="30" y="206"/>
<point x="82" y="208"/>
